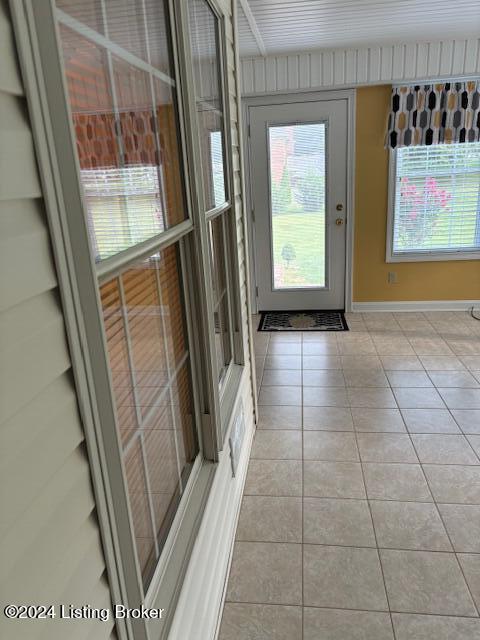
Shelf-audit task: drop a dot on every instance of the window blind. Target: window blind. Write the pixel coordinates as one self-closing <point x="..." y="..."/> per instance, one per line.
<point x="437" y="199"/>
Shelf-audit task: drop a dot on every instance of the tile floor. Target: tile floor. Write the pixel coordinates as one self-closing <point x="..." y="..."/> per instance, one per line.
<point x="361" y="512"/>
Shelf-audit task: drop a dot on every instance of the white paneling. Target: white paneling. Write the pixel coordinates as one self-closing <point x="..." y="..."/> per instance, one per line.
<point x="375" y="62"/>
<point x="339" y="67"/>
<point x="386" y="64"/>
<point x="434" y="51"/>
<point x="305" y="25"/>
<point x="350" y="66"/>
<point x="362" y="66"/>
<point x="292" y="72"/>
<point x="271" y="73"/>
<point x="304" y="71"/>
<point x="247" y="76"/>
<point x="398" y="64"/>
<point x="458" y="56"/>
<point x="282" y="74"/>
<point x="327" y="58"/>
<point x="316" y="68"/>
<point x="422" y="60"/>
<point x="410" y="70"/>
<point x="471" y="58"/>
<point x="259" y="74"/>
<point x="446" y="57"/>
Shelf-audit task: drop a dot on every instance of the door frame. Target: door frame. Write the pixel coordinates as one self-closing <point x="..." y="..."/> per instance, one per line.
<point x="265" y="100"/>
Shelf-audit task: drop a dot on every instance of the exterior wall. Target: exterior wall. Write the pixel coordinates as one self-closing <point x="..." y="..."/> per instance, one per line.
<point x="448" y="280"/>
<point x="336" y="68"/>
<point x="49" y="534"/>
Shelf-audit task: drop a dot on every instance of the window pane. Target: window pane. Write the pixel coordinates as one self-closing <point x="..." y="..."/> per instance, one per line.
<point x="204" y="31"/>
<point x="88" y="12"/>
<point x="126" y="126"/>
<point x="297" y="196"/>
<point x="150" y="365"/>
<point x="126" y="25"/>
<point x="222" y="317"/>
<point x="437" y="198"/>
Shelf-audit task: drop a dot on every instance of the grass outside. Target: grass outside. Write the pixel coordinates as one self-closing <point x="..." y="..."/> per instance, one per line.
<point x="305" y="234"/>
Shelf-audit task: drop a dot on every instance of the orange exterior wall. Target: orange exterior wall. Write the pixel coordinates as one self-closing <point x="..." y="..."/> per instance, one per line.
<point x="450" y="280"/>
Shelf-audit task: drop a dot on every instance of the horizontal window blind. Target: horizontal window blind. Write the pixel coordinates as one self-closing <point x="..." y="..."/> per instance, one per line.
<point x="437" y="199"/>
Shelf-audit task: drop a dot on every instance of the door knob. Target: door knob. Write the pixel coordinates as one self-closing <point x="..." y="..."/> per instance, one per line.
<point x="339" y="221"/>
<point x="339" y="207"/>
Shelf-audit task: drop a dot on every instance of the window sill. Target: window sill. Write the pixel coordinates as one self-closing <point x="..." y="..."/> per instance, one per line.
<point x="441" y="256"/>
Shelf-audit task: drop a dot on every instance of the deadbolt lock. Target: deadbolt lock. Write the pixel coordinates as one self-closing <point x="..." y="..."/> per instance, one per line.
<point x="339" y="207"/>
<point x="339" y="221"/>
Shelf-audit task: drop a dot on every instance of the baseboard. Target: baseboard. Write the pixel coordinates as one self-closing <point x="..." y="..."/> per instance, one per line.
<point x="416" y="305"/>
<point x="203" y="591"/>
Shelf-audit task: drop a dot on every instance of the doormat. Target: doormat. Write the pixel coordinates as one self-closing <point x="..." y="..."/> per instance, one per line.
<point x="303" y="321"/>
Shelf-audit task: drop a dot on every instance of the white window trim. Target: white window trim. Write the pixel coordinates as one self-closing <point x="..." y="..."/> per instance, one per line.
<point x="420" y="256"/>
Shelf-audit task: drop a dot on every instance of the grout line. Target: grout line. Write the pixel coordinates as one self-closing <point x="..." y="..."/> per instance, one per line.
<point x="317" y="497"/>
<point x="286" y="604"/>
<point x="358" y="546"/>
<point x="428" y="464"/>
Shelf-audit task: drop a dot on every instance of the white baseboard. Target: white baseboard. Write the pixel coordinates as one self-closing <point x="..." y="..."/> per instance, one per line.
<point x="203" y="591"/>
<point x="416" y="305"/>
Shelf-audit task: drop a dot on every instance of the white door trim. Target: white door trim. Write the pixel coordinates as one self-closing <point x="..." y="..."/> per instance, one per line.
<point x="310" y="96"/>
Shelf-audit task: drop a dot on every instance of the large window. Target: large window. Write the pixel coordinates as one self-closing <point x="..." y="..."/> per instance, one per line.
<point x="162" y="287"/>
<point x="435" y="203"/>
<point x="205" y="36"/>
<point x="122" y="93"/>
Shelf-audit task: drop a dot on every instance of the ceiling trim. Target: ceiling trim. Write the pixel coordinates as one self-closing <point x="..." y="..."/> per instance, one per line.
<point x="252" y="23"/>
<point x="326" y="69"/>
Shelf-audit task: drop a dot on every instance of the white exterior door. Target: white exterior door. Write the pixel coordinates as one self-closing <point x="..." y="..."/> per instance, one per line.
<point x="298" y="164"/>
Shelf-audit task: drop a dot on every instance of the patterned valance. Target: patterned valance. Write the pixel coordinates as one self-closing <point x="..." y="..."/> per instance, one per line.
<point x="434" y="114"/>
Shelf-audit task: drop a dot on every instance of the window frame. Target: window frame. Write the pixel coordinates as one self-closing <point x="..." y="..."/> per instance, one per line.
<point x="224" y="397"/>
<point x="438" y="255"/>
<point x="80" y="279"/>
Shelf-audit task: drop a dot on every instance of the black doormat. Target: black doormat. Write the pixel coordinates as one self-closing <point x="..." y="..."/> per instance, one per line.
<point x="303" y="321"/>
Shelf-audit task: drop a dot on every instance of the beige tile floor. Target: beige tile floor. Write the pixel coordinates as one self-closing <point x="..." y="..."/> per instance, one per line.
<point x="361" y="511"/>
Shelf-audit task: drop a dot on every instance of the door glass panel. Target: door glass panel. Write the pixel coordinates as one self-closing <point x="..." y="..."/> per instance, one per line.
<point x="144" y="319"/>
<point x="297" y="203"/>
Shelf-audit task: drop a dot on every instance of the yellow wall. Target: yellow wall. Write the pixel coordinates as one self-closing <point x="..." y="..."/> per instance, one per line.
<point x="451" y="280"/>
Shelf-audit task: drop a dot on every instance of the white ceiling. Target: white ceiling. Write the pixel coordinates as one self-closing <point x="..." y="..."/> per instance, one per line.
<point x="280" y="26"/>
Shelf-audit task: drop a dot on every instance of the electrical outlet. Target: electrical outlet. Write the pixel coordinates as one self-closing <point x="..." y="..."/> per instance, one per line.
<point x="392" y="277"/>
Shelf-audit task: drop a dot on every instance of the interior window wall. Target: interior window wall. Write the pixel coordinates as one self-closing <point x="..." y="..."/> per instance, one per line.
<point x="122" y="94"/>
